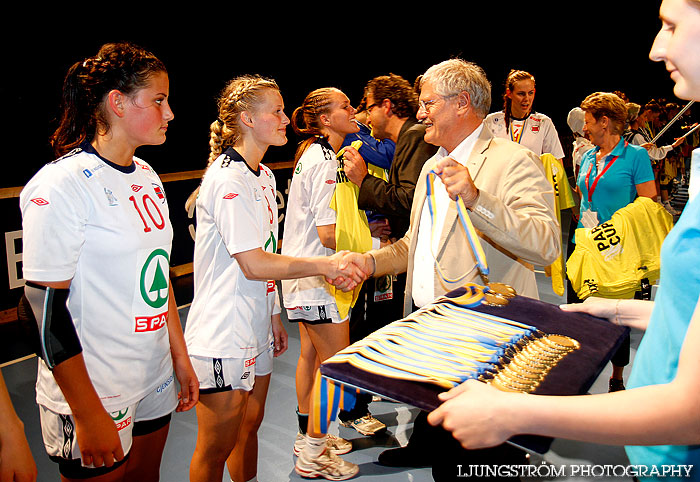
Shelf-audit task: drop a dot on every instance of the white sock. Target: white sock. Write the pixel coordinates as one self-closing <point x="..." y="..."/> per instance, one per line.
<point x="254" y="479"/>
<point x="315" y="446"/>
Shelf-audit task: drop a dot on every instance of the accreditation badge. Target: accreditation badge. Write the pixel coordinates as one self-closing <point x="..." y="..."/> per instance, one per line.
<point x="589" y="219"/>
<point x="384" y="288"/>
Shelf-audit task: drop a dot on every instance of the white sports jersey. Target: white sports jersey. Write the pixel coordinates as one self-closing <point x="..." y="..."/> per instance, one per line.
<point x="536" y="132"/>
<point x="308" y="206"/>
<point x="106" y="228"/>
<point x="236" y="212"/>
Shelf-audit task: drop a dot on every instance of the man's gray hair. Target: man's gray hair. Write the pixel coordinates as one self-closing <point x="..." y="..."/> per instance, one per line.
<point x="453" y="76"/>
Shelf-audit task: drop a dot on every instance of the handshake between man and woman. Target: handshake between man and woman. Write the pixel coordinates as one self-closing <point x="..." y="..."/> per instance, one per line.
<point x="349" y="269"/>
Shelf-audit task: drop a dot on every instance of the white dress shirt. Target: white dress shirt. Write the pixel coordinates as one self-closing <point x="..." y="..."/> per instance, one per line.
<point x="424" y="269"/>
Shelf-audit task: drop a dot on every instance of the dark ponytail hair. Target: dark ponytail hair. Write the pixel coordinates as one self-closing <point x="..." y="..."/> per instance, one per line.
<point x="513" y="77"/>
<point x="117" y="66"/>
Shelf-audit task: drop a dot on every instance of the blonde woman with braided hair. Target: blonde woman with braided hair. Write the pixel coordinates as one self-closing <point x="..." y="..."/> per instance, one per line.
<point x="519" y="122"/>
<point x="233" y="327"/>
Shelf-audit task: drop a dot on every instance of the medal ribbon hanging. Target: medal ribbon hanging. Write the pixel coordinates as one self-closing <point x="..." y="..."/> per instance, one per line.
<point x="472" y="236"/>
<point x="520" y="134"/>
<point x="495" y="293"/>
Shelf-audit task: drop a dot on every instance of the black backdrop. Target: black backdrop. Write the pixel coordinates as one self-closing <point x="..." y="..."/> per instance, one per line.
<point x="572" y="48"/>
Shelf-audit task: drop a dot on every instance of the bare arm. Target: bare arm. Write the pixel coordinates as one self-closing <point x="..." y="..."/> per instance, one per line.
<point x="647" y="189"/>
<point x="257" y="264"/>
<point x="632" y="313"/>
<point x="189" y="384"/>
<point x="327" y="235"/>
<point x="16" y="461"/>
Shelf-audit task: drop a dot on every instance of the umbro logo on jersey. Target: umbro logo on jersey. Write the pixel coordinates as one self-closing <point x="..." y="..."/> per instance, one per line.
<point x="245" y="376"/>
<point x="136" y="187"/>
<point x="39" y="201"/>
<point x="230" y="195"/>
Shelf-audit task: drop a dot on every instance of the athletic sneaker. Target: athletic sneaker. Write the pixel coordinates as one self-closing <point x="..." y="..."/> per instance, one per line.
<point x="327" y="465"/>
<point x="367" y="425"/>
<point x="335" y="444"/>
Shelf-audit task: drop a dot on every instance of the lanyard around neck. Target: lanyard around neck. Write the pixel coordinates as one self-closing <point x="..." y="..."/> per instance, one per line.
<point x="591" y="187"/>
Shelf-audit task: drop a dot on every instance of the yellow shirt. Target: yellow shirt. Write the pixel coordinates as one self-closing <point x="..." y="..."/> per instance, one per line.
<point x="563" y="199"/>
<point x="611" y="259"/>
<point x="351" y="226"/>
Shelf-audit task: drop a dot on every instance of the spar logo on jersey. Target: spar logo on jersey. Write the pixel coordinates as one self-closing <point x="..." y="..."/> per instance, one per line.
<point x="231" y="195"/>
<point x="39" y="201"/>
<point x="145" y="324"/>
<point x="153" y="281"/>
<point x="120" y="419"/>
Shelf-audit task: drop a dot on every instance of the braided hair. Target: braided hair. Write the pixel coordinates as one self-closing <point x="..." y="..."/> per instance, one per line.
<point x="306" y="119"/>
<point x="117" y="66"/>
<point x="513" y="77"/>
<point x="240" y="94"/>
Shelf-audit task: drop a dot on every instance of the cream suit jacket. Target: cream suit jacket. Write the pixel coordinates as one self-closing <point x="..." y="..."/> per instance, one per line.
<point x="513" y="215"/>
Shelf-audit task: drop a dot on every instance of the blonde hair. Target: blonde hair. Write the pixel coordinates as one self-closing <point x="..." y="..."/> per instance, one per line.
<point x="607" y="104"/>
<point x="240" y="94"/>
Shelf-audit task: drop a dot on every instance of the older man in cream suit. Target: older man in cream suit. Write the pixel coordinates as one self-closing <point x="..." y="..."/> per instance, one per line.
<point x="508" y="198"/>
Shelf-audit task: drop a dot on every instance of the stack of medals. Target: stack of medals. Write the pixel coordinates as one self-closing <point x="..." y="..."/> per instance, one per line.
<point x="446" y="343"/>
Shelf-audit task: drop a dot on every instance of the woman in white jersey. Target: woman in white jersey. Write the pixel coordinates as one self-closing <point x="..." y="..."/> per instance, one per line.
<point x="324" y="119"/>
<point x="97" y="233"/>
<point x="233" y="327"/>
<point x="519" y="122"/>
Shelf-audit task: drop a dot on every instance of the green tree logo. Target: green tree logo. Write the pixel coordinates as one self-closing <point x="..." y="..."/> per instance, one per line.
<point x="154" y="283"/>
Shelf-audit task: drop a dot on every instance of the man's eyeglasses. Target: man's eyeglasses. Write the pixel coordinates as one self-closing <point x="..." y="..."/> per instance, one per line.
<point x="427" y="105"/>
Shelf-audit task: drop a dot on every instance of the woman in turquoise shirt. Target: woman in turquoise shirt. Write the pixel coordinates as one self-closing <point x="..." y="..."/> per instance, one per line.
<point x="658" y="417"/>
<point x="614" y="173"/>
<point x="611" y="176"/>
